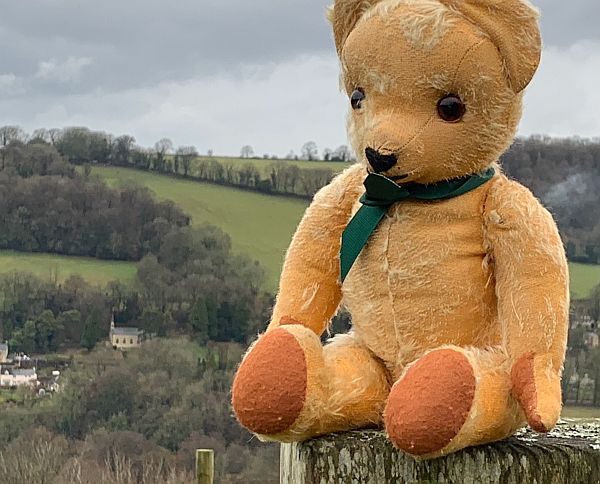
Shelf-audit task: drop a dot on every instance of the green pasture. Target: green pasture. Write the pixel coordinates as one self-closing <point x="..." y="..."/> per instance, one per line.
<point x="584" y="277"/>
<point x="56" y="267"/>
<point x="259" y="225"/>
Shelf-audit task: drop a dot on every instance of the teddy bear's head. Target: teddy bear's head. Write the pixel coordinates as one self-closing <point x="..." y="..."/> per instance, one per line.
<point x="435" y="85"/>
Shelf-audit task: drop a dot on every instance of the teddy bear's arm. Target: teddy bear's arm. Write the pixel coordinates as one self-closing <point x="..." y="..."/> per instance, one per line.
<point x="309" y="289"/>
<point x="532" y="287"/>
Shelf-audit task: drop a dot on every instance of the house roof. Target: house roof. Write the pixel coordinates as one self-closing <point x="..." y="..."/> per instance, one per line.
<point x="123" y="331"/>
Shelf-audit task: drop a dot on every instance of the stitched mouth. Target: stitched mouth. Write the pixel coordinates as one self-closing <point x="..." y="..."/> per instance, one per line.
<point x="393" y="178"/>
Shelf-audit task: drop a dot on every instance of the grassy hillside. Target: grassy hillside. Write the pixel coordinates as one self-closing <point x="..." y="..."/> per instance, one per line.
<point x="584" y="277"/>
<point x="53" y="266"/>
<point x="261" y="225"/>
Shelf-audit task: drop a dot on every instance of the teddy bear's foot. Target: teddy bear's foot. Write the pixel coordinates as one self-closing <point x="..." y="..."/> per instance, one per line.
<point x="290" y="388"/>
<point x="452" y="398"/>
<point x="269" y="389"/>
<point x="429" y="405"/>
<point x="536" y="385"/>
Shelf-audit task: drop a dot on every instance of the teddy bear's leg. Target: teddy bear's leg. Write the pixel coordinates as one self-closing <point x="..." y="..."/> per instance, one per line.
<point x="452" y="398"/>
<point x="290" y="388"/>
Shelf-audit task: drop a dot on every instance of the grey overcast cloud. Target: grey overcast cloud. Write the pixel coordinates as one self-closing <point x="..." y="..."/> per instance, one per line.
<point x="219" y="74"/>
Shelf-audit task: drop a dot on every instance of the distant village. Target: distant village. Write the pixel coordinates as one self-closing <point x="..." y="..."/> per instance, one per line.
<point x="579" y="381"/>
<point x="582" y="376"/>
<point x="19" y="370"/>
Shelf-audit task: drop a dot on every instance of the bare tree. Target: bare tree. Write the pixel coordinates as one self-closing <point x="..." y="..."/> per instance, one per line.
<point x="163" y="146"/>
<point x="161" y="149"/>
<point x="122" y="149"/>
<point x="342" y="153"/>
<point x="54" y="134"/>
<point x="40" y="134"/>
<point x="310" y="151"/>
<point x="247" y="151"/>
<point x="186" y="155"/>
<point x="8" y="134"/>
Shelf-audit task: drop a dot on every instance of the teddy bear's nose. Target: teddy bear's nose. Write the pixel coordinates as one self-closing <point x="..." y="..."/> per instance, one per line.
<point x="379" y="161"/>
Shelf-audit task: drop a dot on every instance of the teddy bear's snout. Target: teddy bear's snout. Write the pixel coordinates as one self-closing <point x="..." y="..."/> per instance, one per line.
<point x="379" y="161"/>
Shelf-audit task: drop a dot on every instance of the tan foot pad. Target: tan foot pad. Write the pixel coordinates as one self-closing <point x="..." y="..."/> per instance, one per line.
<point x="270" y="386"/>
<point x="524" y="390"/>
<point x="428" y="407"/>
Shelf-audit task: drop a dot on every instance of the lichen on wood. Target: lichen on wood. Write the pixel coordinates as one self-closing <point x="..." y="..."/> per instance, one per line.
<point x="570" y="454"/>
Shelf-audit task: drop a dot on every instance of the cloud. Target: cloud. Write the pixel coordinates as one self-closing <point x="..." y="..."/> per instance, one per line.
<point x="7" y="80"/>
<point x="274" y="108"/>
<point x="145" y="42"/>
<point x="563" y="97"/>
<point x="11" y="85"/>
<point x="221" y="74"/>
<point x="567" y="22"/>
<point x="278" y="107"/>
<point x="67" y="71"/>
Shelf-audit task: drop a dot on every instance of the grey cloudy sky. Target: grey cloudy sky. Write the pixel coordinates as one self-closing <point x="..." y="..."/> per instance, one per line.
<point x="219" y="74"/>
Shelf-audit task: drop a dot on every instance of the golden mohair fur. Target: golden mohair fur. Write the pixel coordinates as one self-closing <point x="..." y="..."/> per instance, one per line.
<point x="482" y="277"/>
<point x="424" y="29"/>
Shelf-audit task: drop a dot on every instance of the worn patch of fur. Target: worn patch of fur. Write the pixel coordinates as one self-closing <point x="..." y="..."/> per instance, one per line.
<point x="424" y="27"/>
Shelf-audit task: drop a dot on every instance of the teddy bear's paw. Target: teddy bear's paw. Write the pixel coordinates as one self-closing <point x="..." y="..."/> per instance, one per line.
<point x="269" y="389"/>
<point x="428" y="406"/>
<point x="536" y="386"/>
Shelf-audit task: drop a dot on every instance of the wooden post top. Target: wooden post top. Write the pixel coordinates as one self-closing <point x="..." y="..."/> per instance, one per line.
<point x="570" y="454"/>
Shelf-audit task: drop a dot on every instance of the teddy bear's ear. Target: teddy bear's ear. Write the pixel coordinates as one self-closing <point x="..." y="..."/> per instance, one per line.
<point x="513" y="27"/>
<point x="343" y="15"/>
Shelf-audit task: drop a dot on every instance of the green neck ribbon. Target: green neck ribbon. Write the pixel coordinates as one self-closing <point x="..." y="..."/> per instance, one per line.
<point x="382" y="193"/>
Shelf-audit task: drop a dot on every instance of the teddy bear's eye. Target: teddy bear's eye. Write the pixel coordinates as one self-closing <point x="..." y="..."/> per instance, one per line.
<point x="451" y="108"/>
<point x="357" y="97"/>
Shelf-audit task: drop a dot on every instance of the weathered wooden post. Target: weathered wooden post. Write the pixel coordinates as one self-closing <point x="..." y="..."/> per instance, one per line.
<point x="568" y="455"/>
<point x="205" y="466"/>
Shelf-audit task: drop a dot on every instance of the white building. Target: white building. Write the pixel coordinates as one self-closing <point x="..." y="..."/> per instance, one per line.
<point x="18" y="377"/>
<point x="124" y="337"/>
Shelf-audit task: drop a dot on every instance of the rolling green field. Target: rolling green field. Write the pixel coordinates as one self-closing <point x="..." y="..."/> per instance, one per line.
<point x="260" y="225"/>
<point x="263" y="165"/>
<point x="581" y="412"/>
<point x="50" y="266"/>
<point x="584" y="277"/>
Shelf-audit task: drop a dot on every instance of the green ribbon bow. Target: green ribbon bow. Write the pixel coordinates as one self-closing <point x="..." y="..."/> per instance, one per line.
<point x="382" y="193"/>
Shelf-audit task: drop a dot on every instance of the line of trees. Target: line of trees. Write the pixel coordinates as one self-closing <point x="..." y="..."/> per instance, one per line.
<point x="279" y="177"/>
<point x="81" y="146"/>
<point x="564" y="173"/>
<point x="193" y="284"/>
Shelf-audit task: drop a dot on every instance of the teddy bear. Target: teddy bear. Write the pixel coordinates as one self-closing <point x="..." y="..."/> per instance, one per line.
<point x="455" y="276"/>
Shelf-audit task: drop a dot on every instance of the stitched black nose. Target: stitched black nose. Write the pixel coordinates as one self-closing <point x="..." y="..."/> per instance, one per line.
<point x="380" y="162"/>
